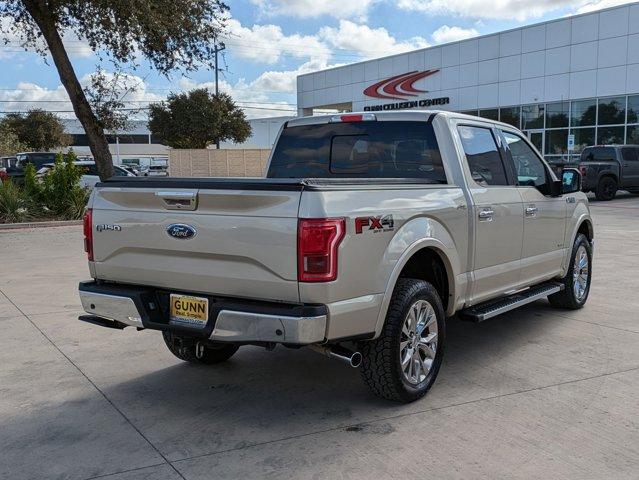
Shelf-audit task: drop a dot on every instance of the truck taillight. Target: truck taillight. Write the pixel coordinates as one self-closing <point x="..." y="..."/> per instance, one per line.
<point x="87" y="222"/>
<point x="317" y="242"/>
<point x="583" y="170"/>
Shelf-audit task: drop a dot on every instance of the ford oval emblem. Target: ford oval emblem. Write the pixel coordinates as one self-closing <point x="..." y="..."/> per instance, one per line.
<point x="181" y="231"/>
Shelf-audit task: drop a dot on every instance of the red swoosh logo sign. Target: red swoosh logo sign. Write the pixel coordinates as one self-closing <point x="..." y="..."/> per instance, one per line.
<point x="398" y="87"/>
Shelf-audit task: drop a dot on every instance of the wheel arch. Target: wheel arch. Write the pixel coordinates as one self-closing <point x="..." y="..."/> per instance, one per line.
<point x="582" y="223"/>
<point x="585" y="227"/>
<point x="608" y="173"/>
<point x="428" y="260"/>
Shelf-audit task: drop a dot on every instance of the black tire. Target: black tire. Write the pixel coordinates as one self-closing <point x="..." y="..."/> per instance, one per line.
<point x="185" y="349"/>
<point x="381" y="365"/>
<point x="567" y="297"/>
<point x="606" y="189"/>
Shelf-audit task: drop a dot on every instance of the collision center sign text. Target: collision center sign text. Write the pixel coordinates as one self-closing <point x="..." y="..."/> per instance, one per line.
<point x="401" y="87"/>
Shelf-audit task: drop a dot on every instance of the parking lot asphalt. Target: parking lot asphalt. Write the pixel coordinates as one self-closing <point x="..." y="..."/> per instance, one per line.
<point x="535" y="393"/>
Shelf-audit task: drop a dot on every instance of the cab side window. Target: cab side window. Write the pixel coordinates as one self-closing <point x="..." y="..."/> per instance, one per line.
<point x="630" y="154"/>
<point x="529" y="169"/>
<point x="483" y="157"/>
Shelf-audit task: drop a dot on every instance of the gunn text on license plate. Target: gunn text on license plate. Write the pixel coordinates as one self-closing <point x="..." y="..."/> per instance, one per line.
<point x="188" y="310"/>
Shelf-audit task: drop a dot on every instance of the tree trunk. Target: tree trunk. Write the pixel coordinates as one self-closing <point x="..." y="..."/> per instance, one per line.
<point x="40" y="13"/>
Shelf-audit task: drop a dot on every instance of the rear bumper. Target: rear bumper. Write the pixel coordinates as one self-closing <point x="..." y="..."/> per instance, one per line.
<point x="230" y="319"/>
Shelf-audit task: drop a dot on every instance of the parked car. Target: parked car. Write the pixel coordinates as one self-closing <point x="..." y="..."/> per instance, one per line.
<point x="91" y="175"/>
<point x="608" y="168"/>
<point x="7" y="163"/>
<point x="368" y="232"/>
<point x="17" y="171"/>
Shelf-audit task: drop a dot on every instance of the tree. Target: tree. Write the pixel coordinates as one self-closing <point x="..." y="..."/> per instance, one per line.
<point x="38" y="130"/>
<point x="197" y="119"/>
<point x="9" y="142"/>
<point x="170" y="34"/>
<point x="105" y="98"/>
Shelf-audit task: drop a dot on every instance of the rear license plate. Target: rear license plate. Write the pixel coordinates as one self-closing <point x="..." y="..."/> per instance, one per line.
<point x="187" y="310"/>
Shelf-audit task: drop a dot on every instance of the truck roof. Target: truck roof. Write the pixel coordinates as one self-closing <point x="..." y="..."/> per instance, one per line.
<point x="389" y="116"/>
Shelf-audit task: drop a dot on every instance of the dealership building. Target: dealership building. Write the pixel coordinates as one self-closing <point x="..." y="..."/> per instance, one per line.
<point x="567" y="83"/>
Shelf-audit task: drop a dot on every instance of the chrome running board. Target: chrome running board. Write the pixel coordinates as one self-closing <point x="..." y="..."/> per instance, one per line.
<point x="492" y="308"/>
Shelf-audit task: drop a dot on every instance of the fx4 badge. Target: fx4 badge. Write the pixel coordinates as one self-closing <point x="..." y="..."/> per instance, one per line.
<point x="381" y="223"/>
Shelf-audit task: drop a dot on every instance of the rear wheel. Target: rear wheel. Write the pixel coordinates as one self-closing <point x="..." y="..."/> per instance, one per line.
<point x="577" y="279"/>
<point x="191" y="350"/>
<point x="403" y="362"/>
<point x="606" y="189"/>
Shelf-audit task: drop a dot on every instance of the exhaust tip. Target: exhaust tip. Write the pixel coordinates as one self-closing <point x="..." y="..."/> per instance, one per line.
<point x="356" y="359"/>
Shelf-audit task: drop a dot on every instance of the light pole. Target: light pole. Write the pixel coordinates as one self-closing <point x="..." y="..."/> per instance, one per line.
<point x="217" y="48"/>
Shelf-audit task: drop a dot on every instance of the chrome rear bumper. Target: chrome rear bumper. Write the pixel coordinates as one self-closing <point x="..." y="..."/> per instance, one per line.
<point x="111" y="307"/>
<point x="228" y="325"/>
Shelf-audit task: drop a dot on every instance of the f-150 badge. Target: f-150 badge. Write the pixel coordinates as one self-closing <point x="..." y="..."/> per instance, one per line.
<point x="381" y="223"/>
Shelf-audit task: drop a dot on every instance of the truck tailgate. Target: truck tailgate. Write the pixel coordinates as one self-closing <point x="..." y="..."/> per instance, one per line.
<point x="244" y="244"/>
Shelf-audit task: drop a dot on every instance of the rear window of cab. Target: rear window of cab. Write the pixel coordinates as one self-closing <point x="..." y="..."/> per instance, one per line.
<point x="395" y="149"/>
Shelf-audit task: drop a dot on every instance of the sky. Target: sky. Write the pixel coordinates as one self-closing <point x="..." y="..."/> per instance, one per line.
<point x="270" y="42"/>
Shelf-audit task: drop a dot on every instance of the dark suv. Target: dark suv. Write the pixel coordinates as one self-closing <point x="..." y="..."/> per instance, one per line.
<point x="608" y="168"/>
<point x="38" y="159"/>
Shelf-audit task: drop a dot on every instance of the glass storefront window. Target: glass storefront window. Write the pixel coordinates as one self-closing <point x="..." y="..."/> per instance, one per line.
<point x="469" y="112"/>
<point x="557" y="114"/>
<point x="584" y="113"/>
<point x="532" y="116"/>
<point x="509" y="115"/>
<point x="491" y="114"/>
<point x="632" y="135"/>
<point x="633" y="109"/>
<point x="612" y="111"/>
<point x="584" y="137"/>
<point x="610" y="135"/>
<point x="556" y="142"/>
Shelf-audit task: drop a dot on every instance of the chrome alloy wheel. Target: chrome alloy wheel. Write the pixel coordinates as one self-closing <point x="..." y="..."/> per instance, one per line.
<point x="580" y="273"/>
<point x="418" y="343"/>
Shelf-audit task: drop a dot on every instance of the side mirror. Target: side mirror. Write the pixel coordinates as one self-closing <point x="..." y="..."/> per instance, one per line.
<point x="570" y="180"/>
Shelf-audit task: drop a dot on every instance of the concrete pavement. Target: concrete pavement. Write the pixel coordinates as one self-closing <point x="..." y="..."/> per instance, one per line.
<point x="536" y="393"/>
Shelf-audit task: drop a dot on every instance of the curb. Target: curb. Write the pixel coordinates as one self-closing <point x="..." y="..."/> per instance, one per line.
<point x="20" y="226"/>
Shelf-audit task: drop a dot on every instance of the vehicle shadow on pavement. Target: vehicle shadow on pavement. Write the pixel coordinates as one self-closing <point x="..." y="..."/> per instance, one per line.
<point x="258" y="396"/>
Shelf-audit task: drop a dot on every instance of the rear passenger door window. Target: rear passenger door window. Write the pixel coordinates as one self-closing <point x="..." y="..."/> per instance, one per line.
<point x="483" y="156"/>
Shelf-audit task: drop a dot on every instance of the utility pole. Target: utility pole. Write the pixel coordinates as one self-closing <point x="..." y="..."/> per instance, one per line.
<point x="217" y="48"/>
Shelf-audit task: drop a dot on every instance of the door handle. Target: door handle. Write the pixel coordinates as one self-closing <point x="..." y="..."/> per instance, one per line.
<point x="486" y="214"/>
<point x="531" y="211"/>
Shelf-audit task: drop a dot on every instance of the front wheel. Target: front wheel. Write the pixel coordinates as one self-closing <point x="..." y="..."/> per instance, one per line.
<point x="403" y="362"/>
<point x="190" y="350"/>
<point x="577" y="279"/>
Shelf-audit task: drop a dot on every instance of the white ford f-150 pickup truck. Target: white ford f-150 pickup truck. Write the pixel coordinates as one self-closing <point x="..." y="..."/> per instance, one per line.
<point x="368" y="232"/>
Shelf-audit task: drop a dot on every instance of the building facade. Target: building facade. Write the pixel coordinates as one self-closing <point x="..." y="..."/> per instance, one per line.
<point x="567" y="83"/>
<point x="263" y="133"/>
<point x="136" y="145"/>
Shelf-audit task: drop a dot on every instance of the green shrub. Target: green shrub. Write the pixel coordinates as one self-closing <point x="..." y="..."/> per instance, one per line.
<point x="58" y="194"/>
<point x="14" y="204"/>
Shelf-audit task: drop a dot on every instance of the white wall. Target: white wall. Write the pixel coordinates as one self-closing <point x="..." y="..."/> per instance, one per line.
<point x="590" y="55"/>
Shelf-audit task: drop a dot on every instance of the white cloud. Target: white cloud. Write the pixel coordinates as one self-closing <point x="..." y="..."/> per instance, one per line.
<point x="29" y="95"/>
<point x="589" y="6"/>
<point x="255" y="96"/>
<point x="446" y="34"/>
<point x="12" y="43"/>
<point x="366" y="41"/>
<point x="267" y="43"/>
<point x="315" y="8"/>
<point x="502" y="9"/>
